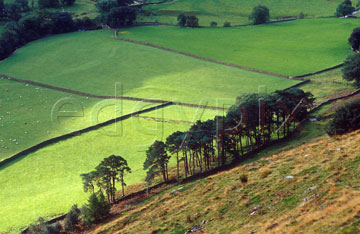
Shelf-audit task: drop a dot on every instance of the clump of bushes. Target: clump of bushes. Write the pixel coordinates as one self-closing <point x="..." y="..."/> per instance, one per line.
<point x="96" y="209"/>
<point x="188" y="21"/>
<point x="41" y="227"/>
<point x="354" y="39"/>
<point x="38" y="24"/>
<point x="213" y="24"/>
<point x="345" y="8"/>
<point x="346" y="119"/>
<point x="301" y="15"/>
<point x="351" y="69"/>
<point x="72" y="218"/>
<point x="227" y="24"/>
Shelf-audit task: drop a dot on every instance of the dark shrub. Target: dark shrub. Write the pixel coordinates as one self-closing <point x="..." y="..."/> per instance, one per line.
<point x="62" y="22"/>
<point x="345" y="9"/>
<point x="213" y="24"/>
<point x="227" y="24"/>
<point x="72" y="218"/>
<point x="181" y="20"/>
<point x="96" y="209"/>
<point x="354" y="39"/>
<point x="260" y="15"/>
<point x="346" y="119"/>
<point x="351" y="69"/>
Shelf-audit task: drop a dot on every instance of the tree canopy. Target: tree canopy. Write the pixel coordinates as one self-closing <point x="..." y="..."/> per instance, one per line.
<point x="354" y="39"/>
<point x="156" y="161"/>
<point x="351" y="69"/>
<point x="345" y="8"/>
<point x="345" y="119"/>
<point x="260" y="15"/>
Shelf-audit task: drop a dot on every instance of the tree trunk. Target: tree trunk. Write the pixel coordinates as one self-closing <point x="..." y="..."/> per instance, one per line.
<point x="122" y="186"/>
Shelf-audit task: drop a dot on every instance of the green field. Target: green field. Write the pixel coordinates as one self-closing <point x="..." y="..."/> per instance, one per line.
<point x="290" y="48"/>
<point x="26" y="116"/>
<point x="325" y="85"/>
<point x="182" y="114"/>
<point x="76" y="61"/>
<point x="237" y="12"/>
<point x="47" y="182"/>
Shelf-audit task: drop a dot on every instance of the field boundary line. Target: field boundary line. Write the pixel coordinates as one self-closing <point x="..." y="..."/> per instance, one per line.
<point x="318" y="72"/>
<point x="201" y="58"/>
<point x="107" y="97"/>
<point x="78" y="133"/>
<point x="331" y="100"/>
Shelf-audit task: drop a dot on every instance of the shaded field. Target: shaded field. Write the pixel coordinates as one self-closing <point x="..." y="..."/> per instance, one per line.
<point x="237" y="12"/>
<point x="47" y="182"/>
<point x="30" y="114"/>
<point x="288" y="48"/>
<point x="75" y="59"/>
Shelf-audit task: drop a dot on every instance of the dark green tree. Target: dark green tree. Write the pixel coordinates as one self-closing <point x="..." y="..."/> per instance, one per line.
<point x="120" y="16"/>
<point x="345" y="8"/>
<point x="24" y="5"/>
<point x="346" y="119"/>
<point x="13" y="11"/>
<point x="354" y="39"/>
<point x="173" y="145"/>
<point x="2" y="9"/>
<point x="62" y="22"/>
<point x="96" y="209"/>
<point x="181" y="20"/>
<point x="48" y="4"/>
<point x="260" y="15"/>
<point x="351" y="69"/>
<point x="192" y="21"/>
<point x="117" y="168"/>
<point x="89" y="181"/>
<point x="106" y="5"/>
<point x="156" y="161"/>
<point x="72" y="218"/>
<point x="67" y="2"/>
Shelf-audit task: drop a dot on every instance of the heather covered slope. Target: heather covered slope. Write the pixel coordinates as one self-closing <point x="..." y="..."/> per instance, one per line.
<point x="310" y="189"/>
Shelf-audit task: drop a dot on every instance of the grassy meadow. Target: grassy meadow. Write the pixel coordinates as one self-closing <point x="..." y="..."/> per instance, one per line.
<point x="237" y="12"/>
<point x="77" y="61"/>
<point x="290" y="48"/>
<point x="30" y="114"/>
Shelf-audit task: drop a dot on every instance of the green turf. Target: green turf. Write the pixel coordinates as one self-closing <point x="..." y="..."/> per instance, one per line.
<point x="325" y="85"/>
<point x="97" y="63"/>
<point x="47" y="182"/>
<point x="176" y="113"/>
<point x="237" y="12"/>
<point x="290" y="48"/>
<point x="30" y="115"/>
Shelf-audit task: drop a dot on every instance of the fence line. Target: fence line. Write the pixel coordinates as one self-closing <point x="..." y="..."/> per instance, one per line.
<point x="201" y="58"/>
<point x="77" y="133"/>
<point x="107" y="97"/>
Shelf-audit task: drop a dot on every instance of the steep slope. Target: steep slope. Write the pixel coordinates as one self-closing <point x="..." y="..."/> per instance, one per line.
<point x="310" y="189"/>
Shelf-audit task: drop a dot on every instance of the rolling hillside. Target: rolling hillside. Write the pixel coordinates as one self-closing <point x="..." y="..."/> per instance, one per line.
<point x="288" y="48"/>
<point x="237" y="11"/>
<point x="310" y="189"/>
